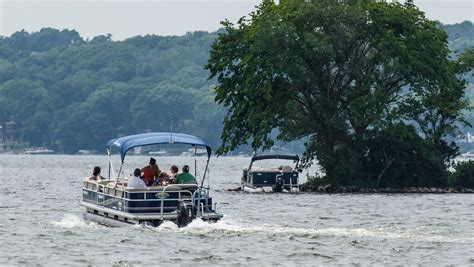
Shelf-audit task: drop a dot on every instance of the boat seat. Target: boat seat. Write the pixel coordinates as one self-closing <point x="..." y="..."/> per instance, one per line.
<point x="287" y="168"/>
<point x="160" y="188"/>
<point x="133" y="189"/>
<point x="107" y="183"/>
<point x="155" y="187"/>
<point x="262" y="169"/>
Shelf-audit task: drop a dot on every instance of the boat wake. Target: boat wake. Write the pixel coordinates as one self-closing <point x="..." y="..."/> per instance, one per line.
<point x="74" y="221"/>
<point x="228" y="227"/>
<point x="168" y="226"/>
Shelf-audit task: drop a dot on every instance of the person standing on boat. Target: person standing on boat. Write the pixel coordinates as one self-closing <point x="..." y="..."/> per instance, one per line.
<point x="136" y="181"/>
<point x="151" y="172"/>
<point x="185" y="177"/>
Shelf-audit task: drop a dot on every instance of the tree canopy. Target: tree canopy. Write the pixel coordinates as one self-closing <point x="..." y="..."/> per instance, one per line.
<point x="370" y="85"/>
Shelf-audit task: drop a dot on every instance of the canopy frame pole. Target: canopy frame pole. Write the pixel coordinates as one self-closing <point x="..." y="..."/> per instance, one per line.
<point x="251" y="161"/>
<point x="118" y="176"/>
<point x="111" y="164"/>
<point x="171" y="131"/>
<point x="195" y="161"/>
<point x="202" y="183"/>
<point x="205" y="171"/>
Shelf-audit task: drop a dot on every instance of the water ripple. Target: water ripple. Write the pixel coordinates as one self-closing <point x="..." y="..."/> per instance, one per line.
<point x="44" y="226"/>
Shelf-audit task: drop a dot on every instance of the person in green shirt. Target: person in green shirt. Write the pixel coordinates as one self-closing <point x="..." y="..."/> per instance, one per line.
<point x="185" y="177"/>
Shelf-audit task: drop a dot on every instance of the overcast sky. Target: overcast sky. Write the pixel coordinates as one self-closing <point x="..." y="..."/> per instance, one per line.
<point x="124" y="19"/>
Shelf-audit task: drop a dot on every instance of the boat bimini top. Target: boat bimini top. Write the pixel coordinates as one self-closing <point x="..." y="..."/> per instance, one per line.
<point x="295" y="159"/>
<point x="289" y="157"/>
<point x="125" y="143"/>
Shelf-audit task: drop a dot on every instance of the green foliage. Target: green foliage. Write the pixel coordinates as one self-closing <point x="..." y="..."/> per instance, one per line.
<point x="463" y="175"/>
<point x="70" y="94"/>
<point x="365" y="83"/>
<point x="409" y="159"/>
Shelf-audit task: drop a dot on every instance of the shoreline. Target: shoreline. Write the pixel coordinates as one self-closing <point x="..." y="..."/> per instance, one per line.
<point x="329" y="189"/>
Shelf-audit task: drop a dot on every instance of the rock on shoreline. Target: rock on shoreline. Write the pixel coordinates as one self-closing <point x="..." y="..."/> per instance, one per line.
<point x="307" y="187"/>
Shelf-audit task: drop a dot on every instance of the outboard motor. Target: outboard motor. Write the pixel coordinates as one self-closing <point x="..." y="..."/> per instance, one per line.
<point x="244" y="176"/>
<point x="279" y="184"/>
<point x="186" y="213"/>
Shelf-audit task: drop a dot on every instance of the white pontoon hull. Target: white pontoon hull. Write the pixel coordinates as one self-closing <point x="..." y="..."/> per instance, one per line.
<point x="267" y="189"/>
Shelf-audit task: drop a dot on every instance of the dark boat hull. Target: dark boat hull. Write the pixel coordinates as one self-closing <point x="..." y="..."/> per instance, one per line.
<point x="270" y="181"/>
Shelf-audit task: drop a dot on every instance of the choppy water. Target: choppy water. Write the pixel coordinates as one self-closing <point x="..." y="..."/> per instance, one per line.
<point x="41" y="223"/>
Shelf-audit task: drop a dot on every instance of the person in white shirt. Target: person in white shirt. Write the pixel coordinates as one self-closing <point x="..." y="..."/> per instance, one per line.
<point x="136" y="181"/>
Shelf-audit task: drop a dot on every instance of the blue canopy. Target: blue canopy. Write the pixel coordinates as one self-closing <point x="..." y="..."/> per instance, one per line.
<point x="128" y="142"/>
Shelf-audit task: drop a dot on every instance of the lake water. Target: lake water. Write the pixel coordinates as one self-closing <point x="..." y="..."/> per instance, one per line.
<point x="41" y="223"/>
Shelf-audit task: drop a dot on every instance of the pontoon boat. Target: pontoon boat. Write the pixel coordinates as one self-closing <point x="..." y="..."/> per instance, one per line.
<point x="283" y="178"/>
<point x="113" y="203"/>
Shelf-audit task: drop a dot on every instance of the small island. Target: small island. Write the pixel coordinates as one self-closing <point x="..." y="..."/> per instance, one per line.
<point x="370" y="87"/>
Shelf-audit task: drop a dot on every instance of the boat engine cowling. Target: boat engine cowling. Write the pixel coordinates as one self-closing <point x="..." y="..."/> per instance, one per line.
<point x="186" y="213"/>
<point x="279" y="184"/>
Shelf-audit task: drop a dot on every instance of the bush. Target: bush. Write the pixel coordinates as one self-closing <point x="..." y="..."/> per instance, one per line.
<point x="463" y="175"/>
<point x="415" y="162"/>
<point x="315" y="181"/>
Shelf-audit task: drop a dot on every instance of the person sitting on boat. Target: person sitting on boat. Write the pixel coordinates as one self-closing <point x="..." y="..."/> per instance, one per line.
<point x="96" y="175"/>
<point x="185" y="177"/>
<point x="169" y="178"/>
<point x="174" y="172"/>
<point x="136" y="181"/>
<point x="151" y="172"/>
<point x="161" y="179"/>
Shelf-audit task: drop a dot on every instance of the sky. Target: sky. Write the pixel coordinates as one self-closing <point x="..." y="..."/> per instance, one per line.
<point x="124" y="19"/>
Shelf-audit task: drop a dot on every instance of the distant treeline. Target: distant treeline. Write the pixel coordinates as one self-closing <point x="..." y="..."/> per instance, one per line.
<point x="461" y="37"/>
<point x="68" y="93"/>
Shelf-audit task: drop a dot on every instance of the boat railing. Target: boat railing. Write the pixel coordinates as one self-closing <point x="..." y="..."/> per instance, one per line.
<point x="195" y="192"/>
<point x="202" y="193"/>
<point x="176" y="186"/>
<point x="100" y="194"/>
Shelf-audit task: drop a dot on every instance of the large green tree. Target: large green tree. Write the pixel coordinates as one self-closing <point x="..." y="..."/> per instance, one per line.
<point x="344" y="75"/>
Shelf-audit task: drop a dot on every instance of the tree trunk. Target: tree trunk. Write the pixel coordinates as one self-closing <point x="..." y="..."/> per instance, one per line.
<point x="379" y="178"/>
